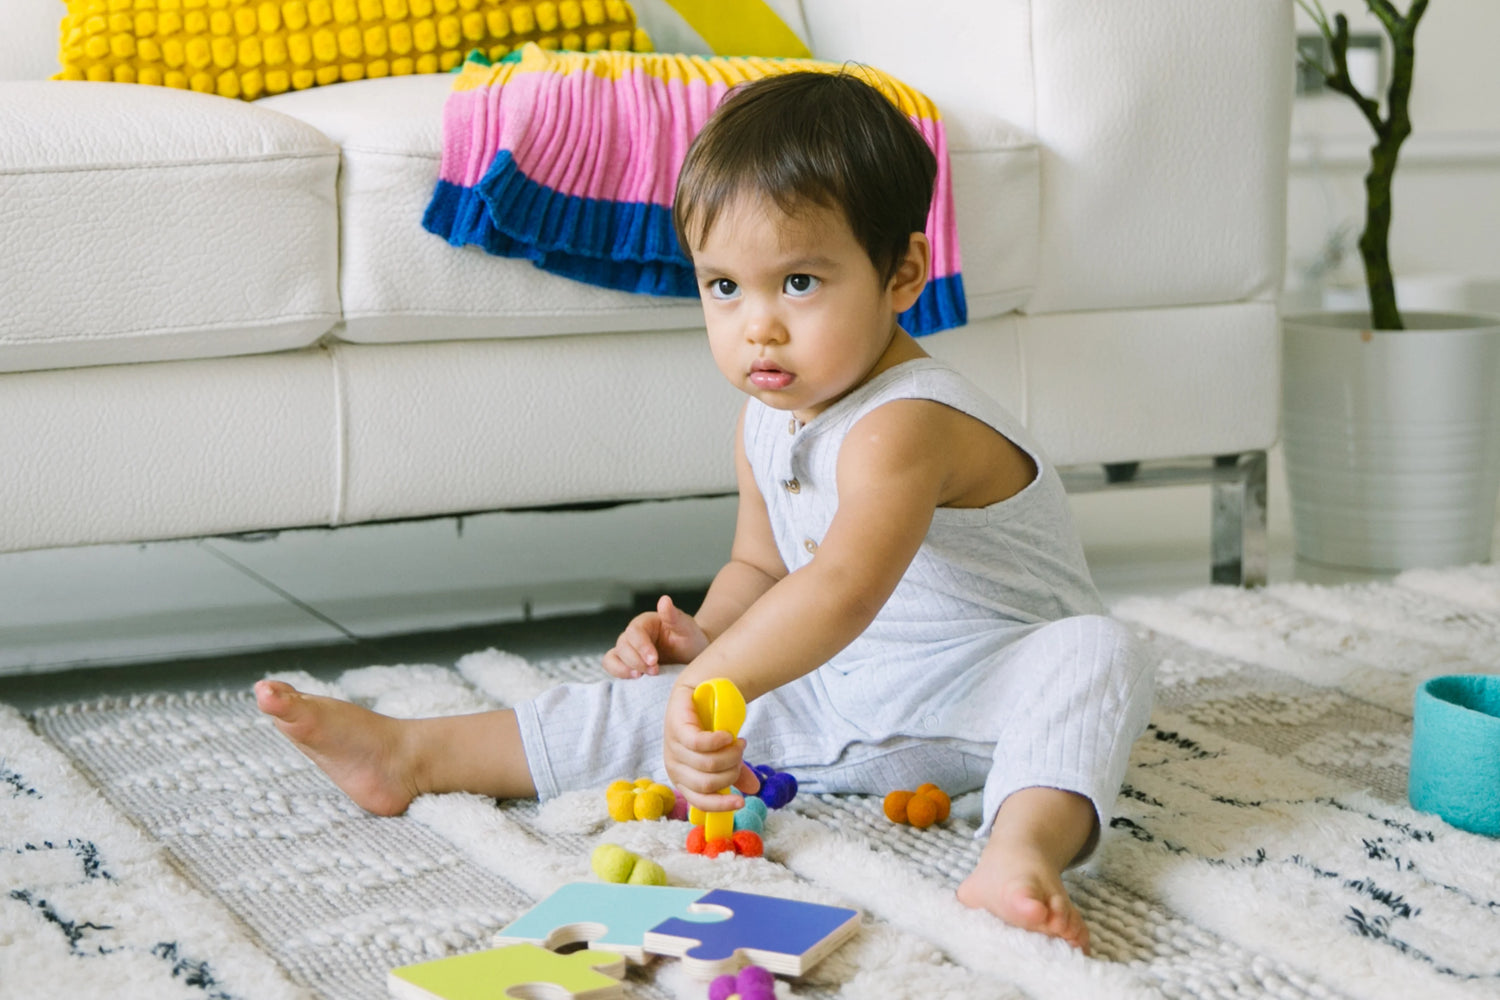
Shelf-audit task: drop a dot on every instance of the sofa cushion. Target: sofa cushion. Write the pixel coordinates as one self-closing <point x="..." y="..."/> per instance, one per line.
<point x="142" y="223"/>
<point x="400" y="283"/>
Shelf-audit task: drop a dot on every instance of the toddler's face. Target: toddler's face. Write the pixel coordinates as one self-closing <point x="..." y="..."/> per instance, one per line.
<point x="796" y="313"/>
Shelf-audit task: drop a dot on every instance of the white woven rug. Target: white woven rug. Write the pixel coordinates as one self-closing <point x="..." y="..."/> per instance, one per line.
<point x="177" y="847"/>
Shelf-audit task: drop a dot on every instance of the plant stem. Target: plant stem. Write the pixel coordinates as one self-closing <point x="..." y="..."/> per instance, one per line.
<point x="1390" y="132"/>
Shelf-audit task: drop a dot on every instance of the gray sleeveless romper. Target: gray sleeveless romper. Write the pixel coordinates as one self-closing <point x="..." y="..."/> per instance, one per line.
<point x="991" y="666"/>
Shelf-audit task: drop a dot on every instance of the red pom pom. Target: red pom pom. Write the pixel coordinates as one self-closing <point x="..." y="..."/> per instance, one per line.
<point x="747" y="844"/>
<point x="717" y="846"/>
<point x="695" y="840"/>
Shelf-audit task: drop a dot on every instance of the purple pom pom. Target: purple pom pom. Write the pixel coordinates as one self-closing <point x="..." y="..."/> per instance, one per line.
<point x="722" y="988"/>
<point x="754" y="975"/>
<point x="778" y="790"/>
<point x="755" y="983"/>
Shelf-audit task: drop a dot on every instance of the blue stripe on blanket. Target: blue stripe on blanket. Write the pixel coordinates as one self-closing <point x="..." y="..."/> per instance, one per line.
<point x="628" y="246"/>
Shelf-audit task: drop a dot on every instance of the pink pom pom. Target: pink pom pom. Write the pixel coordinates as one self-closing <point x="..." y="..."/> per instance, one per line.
<point x="680" y="807"/>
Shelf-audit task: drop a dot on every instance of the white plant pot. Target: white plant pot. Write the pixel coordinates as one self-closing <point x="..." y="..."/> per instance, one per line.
<point x="1392" y="439"/>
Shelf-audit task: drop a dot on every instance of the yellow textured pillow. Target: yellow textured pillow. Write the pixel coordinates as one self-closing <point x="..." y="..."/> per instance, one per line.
<point x="772" y="28"/>
<point x="248" y="48"/>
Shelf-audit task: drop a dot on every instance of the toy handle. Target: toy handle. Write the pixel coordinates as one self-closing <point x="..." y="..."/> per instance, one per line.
<point x="720" y="706"/>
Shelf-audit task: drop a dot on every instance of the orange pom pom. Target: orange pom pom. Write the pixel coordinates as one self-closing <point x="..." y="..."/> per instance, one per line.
<point x="921" y="811"/>
<point x="718" y="846"/>
<point x="747" y="844"/>
<point x="696" y="840"/>
<point x="895" y="806"/>
<point x="936" y="794"/>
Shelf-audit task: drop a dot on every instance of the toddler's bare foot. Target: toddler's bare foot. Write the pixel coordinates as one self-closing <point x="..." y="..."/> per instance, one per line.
<point x="1020" y="887"/>
<point x="360" y="750"/>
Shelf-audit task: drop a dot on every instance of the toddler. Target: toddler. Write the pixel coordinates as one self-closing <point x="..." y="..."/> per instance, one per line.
<point x="905" y="600"/>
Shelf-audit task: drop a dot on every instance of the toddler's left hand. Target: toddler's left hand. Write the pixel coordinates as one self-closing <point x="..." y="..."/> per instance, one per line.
<point x="702" y="763"/>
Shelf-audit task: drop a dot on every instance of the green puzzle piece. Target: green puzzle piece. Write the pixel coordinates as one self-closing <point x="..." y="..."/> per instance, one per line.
<point x="493" y="974"/>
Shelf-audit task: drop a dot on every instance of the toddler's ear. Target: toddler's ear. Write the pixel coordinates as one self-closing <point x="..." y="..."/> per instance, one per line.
<point x="912" y="273"/>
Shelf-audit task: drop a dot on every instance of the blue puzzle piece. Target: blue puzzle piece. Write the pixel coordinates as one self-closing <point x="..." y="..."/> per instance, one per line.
<point x="605" y="915"/>
<point x="783" y="935"/>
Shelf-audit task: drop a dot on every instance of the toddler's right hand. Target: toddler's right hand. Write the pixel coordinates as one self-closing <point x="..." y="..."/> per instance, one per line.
<point x="666" y="635"/>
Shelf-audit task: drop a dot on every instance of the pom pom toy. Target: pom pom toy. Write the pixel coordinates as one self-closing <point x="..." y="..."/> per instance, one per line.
<point x="613" y="863"/>
<point x="640" y="799"/>
<point x="745" y="843"/>
<point x="929" y="804"/>
<point x="777" y="788"/>
<point x="752" y="983"/>
<point x="752" y="816"/>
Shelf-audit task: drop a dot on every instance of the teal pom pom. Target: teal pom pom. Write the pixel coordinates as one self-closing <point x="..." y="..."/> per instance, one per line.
<point x="752" y="816"/>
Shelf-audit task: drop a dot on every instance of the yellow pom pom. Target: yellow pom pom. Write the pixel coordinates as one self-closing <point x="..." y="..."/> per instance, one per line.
<point x="648" y="805"/>
<point x="668" y="798"/>
<point x="612" y="863"/>
<point x="621" y="800"/>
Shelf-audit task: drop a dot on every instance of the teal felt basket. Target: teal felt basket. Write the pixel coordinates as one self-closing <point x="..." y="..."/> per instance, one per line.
<point x="1455" y="751"/>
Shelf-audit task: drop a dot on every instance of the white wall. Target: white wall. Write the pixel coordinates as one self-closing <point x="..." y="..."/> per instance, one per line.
<point x="1447" y="192"/>
<point x="1446" y="235"/>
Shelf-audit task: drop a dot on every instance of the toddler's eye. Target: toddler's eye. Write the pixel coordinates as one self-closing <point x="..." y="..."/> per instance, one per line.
<point x="800" y="284"/>
<point x="722" y="288"/>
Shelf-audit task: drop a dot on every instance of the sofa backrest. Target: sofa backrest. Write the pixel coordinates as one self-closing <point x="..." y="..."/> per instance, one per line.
<point x="1163" y="128"/>
<point x="28" y="38"/>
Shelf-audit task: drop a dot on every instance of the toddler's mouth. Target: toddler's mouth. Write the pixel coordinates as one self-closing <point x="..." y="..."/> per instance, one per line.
<point x="765" y="375"/>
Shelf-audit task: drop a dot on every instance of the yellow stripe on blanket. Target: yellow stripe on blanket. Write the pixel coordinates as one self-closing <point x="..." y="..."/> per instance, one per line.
<point x="674" y="67"/>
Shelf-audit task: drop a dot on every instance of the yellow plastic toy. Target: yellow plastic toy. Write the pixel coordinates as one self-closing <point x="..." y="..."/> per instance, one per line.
<point x="720" y="706"/>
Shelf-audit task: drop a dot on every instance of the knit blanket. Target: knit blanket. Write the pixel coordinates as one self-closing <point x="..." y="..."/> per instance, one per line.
<point x="570" y="160"/>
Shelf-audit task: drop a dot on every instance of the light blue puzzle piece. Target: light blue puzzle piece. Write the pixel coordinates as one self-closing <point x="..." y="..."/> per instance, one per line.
<point x="784" y="935"/>
<point x="605" y="915"/>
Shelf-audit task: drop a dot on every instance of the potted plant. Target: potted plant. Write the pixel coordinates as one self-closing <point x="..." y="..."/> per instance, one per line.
<point x="1391" y="421"/>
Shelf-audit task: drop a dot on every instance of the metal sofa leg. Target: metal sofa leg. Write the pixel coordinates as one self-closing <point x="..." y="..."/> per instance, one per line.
<point x="1239" y="551"/>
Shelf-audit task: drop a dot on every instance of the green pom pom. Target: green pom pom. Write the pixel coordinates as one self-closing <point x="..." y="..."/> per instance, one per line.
<point x="612" y="863"/>
<point x="647" y="872"/>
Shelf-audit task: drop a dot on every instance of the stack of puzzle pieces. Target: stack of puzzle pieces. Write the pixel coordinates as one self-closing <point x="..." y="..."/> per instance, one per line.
<point x="711" y="931"/>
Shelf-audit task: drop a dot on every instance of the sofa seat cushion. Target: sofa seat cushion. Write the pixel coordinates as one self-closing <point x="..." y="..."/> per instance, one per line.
<point x="399" y="283"/>
<point x="147" y="224"/>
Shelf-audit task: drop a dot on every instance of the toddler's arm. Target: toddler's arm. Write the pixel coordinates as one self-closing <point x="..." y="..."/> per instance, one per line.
<point x="894" y="470"/>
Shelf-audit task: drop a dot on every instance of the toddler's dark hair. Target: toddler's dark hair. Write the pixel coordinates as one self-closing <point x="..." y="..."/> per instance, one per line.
<point x="826" y="138"/>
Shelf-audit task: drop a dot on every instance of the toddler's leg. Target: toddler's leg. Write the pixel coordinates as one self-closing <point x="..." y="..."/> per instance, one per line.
<point x="383" y="763"/>
<point x="1036" y="834"/>
<point x="1079" y="694"/>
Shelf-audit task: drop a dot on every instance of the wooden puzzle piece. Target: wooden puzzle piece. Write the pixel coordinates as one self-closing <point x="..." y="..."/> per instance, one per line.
<point x="518" y="972"/>
<point x="606" y="916"/>
<point x="720" y="706"/>
<point x="784" y="935"/>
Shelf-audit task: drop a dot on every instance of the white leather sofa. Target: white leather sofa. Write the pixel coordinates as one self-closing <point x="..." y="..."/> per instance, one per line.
<point x="222" y="316"/>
